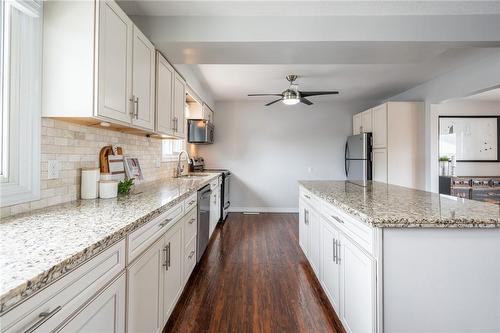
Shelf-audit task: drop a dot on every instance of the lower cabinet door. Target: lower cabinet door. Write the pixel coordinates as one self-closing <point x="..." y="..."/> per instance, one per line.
<point x="145" y="286"/>
<point x="314" y="241"/>
<point x="213" y="212"/>
<point x="173" y="278"/>
<point x="303" y="227"/>
<point x="330" y="265"/>
<point x="358" y="285"/>
<point x="105" y="313"/>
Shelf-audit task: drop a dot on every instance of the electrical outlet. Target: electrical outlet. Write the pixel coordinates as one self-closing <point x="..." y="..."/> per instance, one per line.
<point x="309" y="170"/>
<point x="53" y="169"/>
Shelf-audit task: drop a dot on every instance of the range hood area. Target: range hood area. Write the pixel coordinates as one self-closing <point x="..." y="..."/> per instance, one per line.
<point x="199" y="121"/>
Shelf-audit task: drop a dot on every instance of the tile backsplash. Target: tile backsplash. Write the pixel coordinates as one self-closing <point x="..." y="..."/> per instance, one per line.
<point x="77" y="146"/>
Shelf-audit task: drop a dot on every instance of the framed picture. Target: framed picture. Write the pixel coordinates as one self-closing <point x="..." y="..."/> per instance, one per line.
<point x="133" y="168"/>
<point x="470" y="138"/>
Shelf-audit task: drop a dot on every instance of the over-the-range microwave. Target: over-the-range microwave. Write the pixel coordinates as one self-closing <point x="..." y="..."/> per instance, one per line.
<point x="200" y="131"/>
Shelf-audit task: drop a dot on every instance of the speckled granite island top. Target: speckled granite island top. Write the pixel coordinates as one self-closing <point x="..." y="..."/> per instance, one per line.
<point x="37" y="248"/>
<point x="391" y="206"/>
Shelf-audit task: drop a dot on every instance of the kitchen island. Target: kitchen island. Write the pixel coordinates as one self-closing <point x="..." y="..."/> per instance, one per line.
<point x="394" y="259"/>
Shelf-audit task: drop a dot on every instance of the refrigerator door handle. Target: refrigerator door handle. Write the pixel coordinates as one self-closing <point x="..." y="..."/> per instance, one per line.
<point x="346" y="153"/>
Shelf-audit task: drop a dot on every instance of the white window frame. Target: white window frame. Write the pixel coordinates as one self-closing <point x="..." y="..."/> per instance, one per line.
<point x="21" y="107"/>
<point x="170" y="149"/>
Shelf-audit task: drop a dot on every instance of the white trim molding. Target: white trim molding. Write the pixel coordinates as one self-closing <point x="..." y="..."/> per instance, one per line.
<point x="263" y="209"/>
<point x="21" y="67"/>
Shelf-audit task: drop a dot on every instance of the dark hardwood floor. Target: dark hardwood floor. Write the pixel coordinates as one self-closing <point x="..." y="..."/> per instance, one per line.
<point x="254" y="277"/>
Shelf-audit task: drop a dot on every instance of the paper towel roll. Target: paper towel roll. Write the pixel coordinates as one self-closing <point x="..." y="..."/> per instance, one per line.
<point x="89" y="185"/>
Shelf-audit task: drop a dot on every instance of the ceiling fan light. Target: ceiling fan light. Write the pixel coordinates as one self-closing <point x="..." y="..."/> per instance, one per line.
<point x="291" y="101"/>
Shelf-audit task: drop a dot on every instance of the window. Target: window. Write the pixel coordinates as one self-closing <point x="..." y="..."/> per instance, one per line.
<point x="171" y="149"/>
<point x="20" y="88"/>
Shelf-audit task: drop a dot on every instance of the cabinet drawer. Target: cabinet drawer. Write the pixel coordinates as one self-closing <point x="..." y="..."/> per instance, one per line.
<point x="353" y="228"/>
<point x="142" y="238"/>
<point x="62" y="298"/>
<point x="310" y="198"/>
<point x="191" y="202"/>
<point x="190" y="226"/>
<point x="189" y="258"/>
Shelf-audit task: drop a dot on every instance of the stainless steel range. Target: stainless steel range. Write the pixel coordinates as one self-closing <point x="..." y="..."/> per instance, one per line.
<point x="197" y="164"/>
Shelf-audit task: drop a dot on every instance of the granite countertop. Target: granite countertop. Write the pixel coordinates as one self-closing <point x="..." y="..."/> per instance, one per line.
<point x="37" y="248"/>
<point x="390" y="206"/>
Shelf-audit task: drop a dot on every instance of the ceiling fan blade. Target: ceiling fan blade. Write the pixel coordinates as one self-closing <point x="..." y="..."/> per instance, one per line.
<point x="251" y="95"/>
<point x="270" y="103"/>
<point x="317" y="93"/>
<point x="305" y="101"/>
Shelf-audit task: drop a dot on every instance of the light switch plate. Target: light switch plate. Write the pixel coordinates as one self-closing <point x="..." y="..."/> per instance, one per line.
<point x="53" y="168"/>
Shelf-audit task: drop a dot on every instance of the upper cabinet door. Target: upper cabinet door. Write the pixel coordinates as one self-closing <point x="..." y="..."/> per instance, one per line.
<point x="379" y="115"/>
<point x="164" y="95"/>
<point x="179" y="105"/>
<point x="379" y="164"/>
<point x="366" y="121"/>
<point x="356" y="124"/>
<point x="114" y="62"/>
<point x="143" y="81"/>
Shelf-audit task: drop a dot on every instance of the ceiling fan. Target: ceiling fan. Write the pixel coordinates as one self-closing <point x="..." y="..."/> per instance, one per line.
<point x="293" y="95"/>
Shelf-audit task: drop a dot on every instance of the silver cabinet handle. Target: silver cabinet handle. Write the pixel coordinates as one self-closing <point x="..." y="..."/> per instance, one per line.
<point x="165" y="264"/>
<point x="44" y="316"/>
<point x="168" y="254"/>
<point x="308" y="197"/>
<point x="192" y="221"/>
<point x="334" y="250"/>
<point x="191" y="202"/>
<point x="339" y="220"/>
<point x="173" y="124"/>
<point x="191" y="254"/>
<point x="338" y="253"/>
<point x="306" y="217"/>
<point x="164" y="223"/>
<point x="135" y="111"/>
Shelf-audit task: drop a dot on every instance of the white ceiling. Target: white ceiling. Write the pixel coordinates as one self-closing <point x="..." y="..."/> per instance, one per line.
<point x="370" y="50"/>
<point x="486" y="96"/>
<point x="308" y="8"/>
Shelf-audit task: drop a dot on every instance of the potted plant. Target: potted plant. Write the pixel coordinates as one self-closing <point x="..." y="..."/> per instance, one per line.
<point x="444" y="162"/>
<point x="125" y="186"/>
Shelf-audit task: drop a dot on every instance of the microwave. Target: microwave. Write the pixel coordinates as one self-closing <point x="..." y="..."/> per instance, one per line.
<point x="200" y="131"/>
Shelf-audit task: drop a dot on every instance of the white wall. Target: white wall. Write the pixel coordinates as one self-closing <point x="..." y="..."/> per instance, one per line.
<point x="465" y="81"/>
<point x="470" y="108"/>
<point x="268" y="149"/>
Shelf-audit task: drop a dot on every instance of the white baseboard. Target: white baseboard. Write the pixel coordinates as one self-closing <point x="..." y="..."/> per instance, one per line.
<point x="263" y="209"/>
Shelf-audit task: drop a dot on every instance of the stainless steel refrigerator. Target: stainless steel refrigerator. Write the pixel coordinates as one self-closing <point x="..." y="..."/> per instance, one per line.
<point x="358" y="158"/>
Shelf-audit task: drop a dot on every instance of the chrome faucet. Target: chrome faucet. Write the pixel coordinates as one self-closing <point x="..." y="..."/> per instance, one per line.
<point x="180" y="168"/>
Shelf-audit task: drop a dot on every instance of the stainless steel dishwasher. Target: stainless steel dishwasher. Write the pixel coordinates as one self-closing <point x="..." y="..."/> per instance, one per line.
<point x="203" y="221"/>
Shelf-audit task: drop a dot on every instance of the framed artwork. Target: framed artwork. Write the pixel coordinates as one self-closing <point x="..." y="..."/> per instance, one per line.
<point x="133" y="168"/>
<point x="470" y="138"/>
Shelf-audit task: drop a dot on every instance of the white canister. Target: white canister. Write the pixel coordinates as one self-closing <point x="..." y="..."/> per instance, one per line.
<point x="89" y="184"/>
<point x="108" y="189"/>
<point x="106" y="176"/>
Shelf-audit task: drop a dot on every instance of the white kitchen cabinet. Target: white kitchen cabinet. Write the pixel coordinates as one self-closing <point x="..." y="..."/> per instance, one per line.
<point x="164" y="95"/>
<point x="145" y="290"/>
<point x="330" y="268"/>
<point x="173" y="277"/>
<point x="179" y="105"/>
<point x="143" y="81"/>
<point x="304" y="227"/>
<point x="213" y="211"/>
<point x="97" y="66"/>
<point x="105" y="313"/>
<point x="199" y="110"/>
<point x="379" y="165"/>
<point x="358" y="278"/>
<point x="314" y="243"/>
<point x="115" y="62"/>
<point x="379" y="130"/>
<point x="356" y="124"/>
<point x="366" y="121"/>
